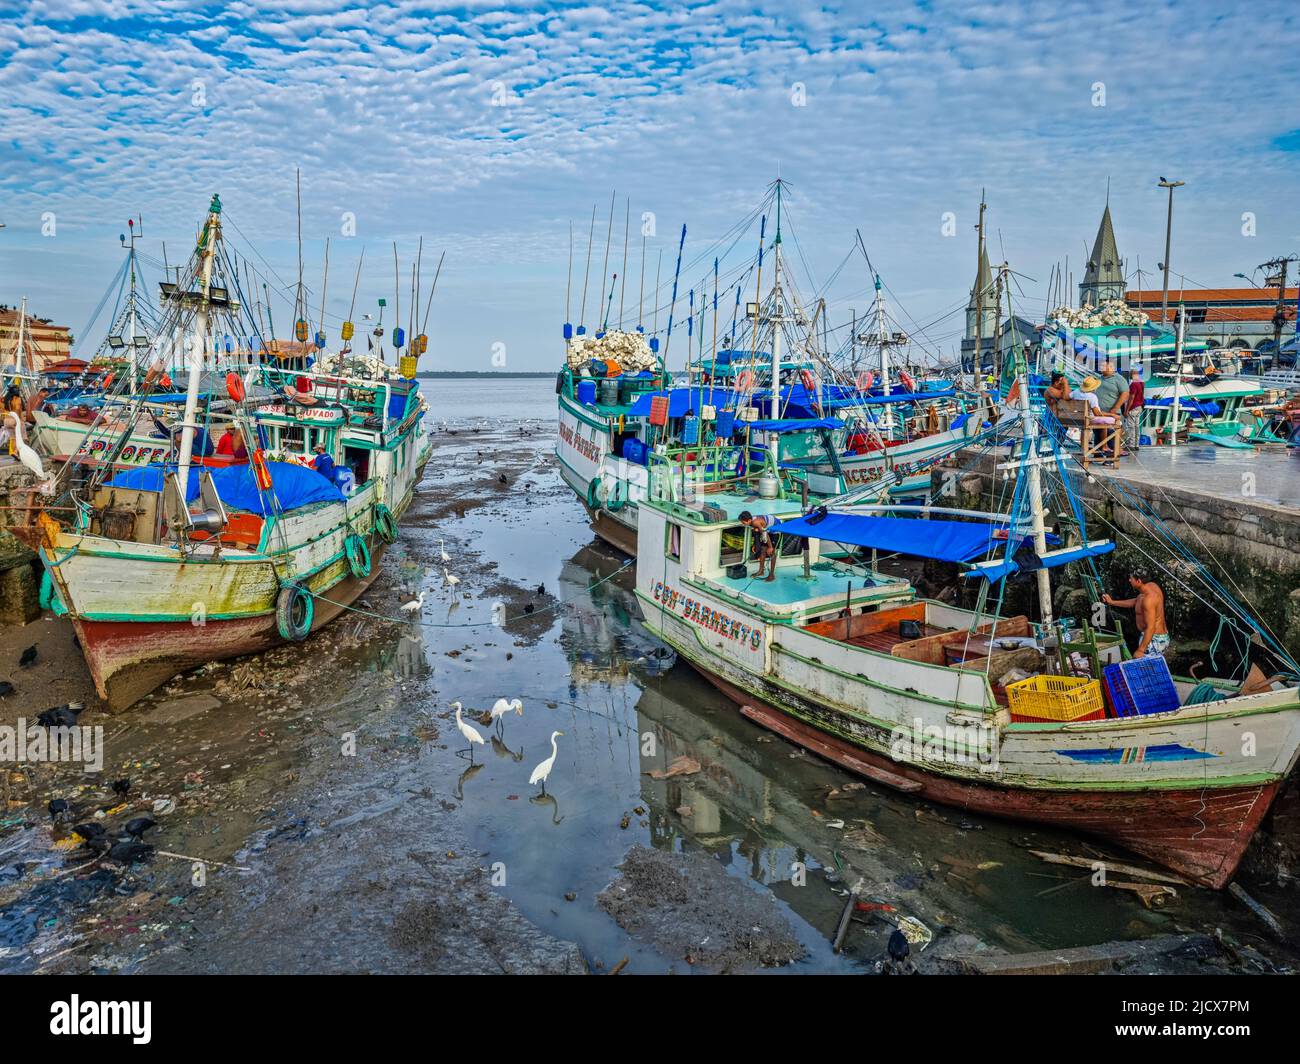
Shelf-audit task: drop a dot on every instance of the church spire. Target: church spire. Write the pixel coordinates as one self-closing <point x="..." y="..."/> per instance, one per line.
<point x="1104" y="277"/>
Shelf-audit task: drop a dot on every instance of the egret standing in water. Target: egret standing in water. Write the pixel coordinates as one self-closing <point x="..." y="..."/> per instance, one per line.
<point x="442" y="551"/>
<point x="471" y="733"/>
<point x="501" y="708"/>
<point x="542" y="771"/>
<point x="415" y="605"/>
<point x="452" y="581"/>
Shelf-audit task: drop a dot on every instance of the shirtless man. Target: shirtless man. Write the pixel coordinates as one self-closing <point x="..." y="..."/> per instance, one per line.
<point x="761" y="540"/>
<point x="1149" y="607"/>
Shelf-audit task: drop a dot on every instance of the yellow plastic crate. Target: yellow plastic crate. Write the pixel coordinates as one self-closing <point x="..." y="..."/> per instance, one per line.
<point x="1062" y="698"/>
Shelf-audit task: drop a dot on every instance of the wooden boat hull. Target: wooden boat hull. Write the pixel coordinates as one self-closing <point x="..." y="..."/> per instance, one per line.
<point x="1201" y="835"/>
<point x="129" y="659"/>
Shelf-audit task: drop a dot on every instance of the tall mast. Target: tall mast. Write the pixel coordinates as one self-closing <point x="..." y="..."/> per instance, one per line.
<point x="22" y="324"/>
<point x="883" y="339"/>
<point x="979" y="304"/>
<point x="130" y="342"/>
<point x="778" y="317"/>
<point x="207" y="254"/>
<point x="1037" y="524"/>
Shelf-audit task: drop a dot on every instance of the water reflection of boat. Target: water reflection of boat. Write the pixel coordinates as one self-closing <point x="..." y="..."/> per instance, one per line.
<point x="600" y="632"/>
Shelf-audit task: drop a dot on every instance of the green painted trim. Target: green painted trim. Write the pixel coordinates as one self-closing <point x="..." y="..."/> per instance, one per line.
<point x="986" y="779"/>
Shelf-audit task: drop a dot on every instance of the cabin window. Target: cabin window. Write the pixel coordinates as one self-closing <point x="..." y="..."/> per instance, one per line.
<point x="674" y="547"/>
<point x="293" y="437"/>
<point x="791" y="546"/>
<point x="733" y="546"/>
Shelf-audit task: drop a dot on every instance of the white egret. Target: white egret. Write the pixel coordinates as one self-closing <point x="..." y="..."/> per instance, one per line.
<point x="415" y="605"/>
<point x="544" y="769"/>
<point x="452" y="581"/>
<point x="502" y="707"/>
<point x="471" y="733"/>
<point x="442" y="551"/>
<point x="499" y="614"/>
<point x="26" y="455"/>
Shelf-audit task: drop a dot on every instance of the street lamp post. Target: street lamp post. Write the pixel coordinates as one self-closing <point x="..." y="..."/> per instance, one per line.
<point x="1169" y="227"/>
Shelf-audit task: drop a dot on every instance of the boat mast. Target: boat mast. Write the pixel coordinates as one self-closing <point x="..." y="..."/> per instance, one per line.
<point x="22" y="323"/>
<point x="130" y="342"/>
<point x="207" y="253"/>
<point x="883" y="340"/>
<point x="778" y="317"/>
<point x="1034" y="465"/>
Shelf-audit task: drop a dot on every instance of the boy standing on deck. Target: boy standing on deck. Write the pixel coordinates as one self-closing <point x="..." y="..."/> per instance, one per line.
<point x="761" y="542"/>
<point x="1149" y="607"/>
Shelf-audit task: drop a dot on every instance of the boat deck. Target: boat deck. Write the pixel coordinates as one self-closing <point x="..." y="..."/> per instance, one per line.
<point x="885" y="641"/>
<point x="791" y="586"/>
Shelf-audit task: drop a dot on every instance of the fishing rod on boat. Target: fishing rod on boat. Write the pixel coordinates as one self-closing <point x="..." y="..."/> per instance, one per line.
<point x="348" y="328"/>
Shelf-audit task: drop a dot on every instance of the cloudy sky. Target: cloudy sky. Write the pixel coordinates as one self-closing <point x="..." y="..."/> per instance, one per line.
<point x="489" y="128"/>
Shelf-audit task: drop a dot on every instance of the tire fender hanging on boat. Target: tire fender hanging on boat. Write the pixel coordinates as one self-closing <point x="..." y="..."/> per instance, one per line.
<point x="358" y="555"/>
<point x="592" y="489"/>
<point x="385" y="524"/>
<point x="294" y="612"/>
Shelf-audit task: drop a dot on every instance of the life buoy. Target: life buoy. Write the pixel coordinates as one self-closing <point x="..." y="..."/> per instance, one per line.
<point x="358" y="556"/>
<point x="294" y="611"/>
<point x="809" y="384"/>
<point x="866" y="379"/>
<point x="385" y="524"/>
<point x="235" y="387"/>
<point x="166" y="381"/>
<point x="261" y="471"/>
<point x="745" y="381"/>
<point x="108" y="382"/>
<point x="905" y="379"/>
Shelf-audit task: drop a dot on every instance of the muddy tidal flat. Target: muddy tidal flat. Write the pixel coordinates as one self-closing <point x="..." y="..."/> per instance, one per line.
<point x="317" y="811"/>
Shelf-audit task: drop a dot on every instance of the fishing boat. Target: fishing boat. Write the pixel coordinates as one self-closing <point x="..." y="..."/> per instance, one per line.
<point x="776" y="418"/>
<point x="170" y="566"/>
<point x="1000" y="715"/>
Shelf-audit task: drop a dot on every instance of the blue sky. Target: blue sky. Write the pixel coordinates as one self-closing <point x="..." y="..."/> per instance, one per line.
<point x="489" y="127"/>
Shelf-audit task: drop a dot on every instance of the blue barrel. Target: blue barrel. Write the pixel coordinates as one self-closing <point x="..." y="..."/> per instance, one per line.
<point x="634" y="450"/>
<point x="587" y="393"/>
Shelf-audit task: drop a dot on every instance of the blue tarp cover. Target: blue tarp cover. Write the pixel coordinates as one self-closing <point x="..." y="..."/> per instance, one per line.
<point x="294" y="485"/>
<point x="1202" y="408"/>
<point x="792" y="424"/>
<point x="681" y="400"/>
<point x="946" y="541"/>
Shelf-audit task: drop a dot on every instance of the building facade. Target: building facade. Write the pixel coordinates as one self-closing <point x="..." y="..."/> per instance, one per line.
<point x="1224" y="317"/>
<point x="43" y="343"/>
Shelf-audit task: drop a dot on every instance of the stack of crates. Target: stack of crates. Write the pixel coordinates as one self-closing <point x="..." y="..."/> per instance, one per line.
<point x="1140" y="686"/>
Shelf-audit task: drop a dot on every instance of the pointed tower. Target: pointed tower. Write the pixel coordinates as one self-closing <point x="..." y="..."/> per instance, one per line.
<point x="1104" y="277"/>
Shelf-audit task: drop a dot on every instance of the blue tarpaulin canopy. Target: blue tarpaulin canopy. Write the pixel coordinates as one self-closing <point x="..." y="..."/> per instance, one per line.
<point x="1199" y="407"/>
<point x="680" y="400"/>
<point x="945" y="541"/>
<point x="793" y="424"/>
<point x="293" y="485"/>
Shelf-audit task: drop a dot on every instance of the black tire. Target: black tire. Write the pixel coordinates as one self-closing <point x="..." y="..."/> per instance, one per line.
<point x="294" y="611"/>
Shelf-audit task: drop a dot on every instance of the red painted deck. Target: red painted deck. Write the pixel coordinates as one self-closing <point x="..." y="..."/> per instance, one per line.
<point x="1200" y="834"/>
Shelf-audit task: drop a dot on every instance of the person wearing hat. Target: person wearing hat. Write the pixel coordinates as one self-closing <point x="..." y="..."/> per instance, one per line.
<point x="1088" y="394"/>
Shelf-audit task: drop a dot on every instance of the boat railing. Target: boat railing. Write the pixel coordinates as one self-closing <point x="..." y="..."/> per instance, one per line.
<point x="678" y="472"/>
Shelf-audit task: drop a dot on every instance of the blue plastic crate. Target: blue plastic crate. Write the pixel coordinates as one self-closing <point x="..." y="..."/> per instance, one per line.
<point x="725" y="424"/>
<point x="1140" y="687"/>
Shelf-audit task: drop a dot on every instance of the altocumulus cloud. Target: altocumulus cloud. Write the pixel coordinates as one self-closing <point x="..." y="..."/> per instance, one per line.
<point x="488" y="126"/>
